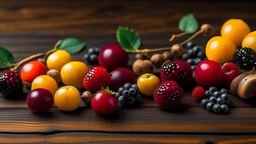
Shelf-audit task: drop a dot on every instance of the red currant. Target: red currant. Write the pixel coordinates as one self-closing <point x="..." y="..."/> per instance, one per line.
<point x="32" y="70"/>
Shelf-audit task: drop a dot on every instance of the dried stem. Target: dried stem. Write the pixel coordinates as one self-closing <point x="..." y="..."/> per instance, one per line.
<point x="174" y="36"/>
<point x="192" y="37"/>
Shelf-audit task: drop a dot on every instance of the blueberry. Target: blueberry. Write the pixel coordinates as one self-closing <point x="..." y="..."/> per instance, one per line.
<point x="213" y="99"/>
<point x="191" y="53"/>
<point x="185" y="56"/>
<point x="223" y="90"/>
<point x="224" y="96"/>
<point x="86" y="56"/>
<point x="97" y="50"/>
<point x="127" y="86"/>
<point x="200" y="55"/>
<point x="212" y="89"/>
<point x="204" y="102"/>
<point x="135" y="86"/>
<point x="193" y="67"/>
<point x="191" y="61"/>
<point x="196" y="49"/>
<point x="197" y="60"/>
<point x="190" y="44"/>
<point x="220" y="100"/>
<point x="133" y="91"/>
<point x="94" y="58"/>
<point x="121" y="100"/>
<point x="209" y="106"/>
<point x="120" y="89"/>
<point x="138" y="97"/>
<point x="131" y="100"/>
<point x="208" y="93"/>
<point x="126" y="93"/>
<point x="216" y="94"/>
<point x="224" y="108"/>
<point x="90" y="51"/>
<point x="216" y="108"/>
<point x="118" y="94"/>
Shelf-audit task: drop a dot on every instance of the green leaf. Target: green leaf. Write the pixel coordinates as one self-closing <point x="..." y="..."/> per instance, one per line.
<point x="188" y="23"/>
<point x="71" y="45"/>
<point x="6" y="59"/>
<point x="128" y="39"/>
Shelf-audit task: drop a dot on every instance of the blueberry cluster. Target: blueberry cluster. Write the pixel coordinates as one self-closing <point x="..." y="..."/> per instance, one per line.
<point x="216" y="101"/>
<point x="91" y="56"/>
<point x="193" y="54"/>
<point x="129" y="95"/>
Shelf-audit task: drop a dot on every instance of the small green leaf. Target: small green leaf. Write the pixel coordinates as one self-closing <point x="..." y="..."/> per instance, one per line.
<point x="188" y="23"/>
<point x="128" y="39"/>
<point x="71" y="45"/>
<point x="6" y="59"/>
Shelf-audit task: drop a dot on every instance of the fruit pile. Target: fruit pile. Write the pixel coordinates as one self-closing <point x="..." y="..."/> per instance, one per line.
<point x="105" y="81"/>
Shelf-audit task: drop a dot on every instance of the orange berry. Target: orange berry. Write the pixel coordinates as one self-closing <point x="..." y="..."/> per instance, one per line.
<point x="250" y="41"/>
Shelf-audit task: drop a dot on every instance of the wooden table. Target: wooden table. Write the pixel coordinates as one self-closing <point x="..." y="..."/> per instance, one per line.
<point x="28" y="27"/>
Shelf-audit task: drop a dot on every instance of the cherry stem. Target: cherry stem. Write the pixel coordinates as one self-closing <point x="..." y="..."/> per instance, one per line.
<point x="174" y="36"/>
<point x="192" y="37"/>
<point x="147" y="50"/>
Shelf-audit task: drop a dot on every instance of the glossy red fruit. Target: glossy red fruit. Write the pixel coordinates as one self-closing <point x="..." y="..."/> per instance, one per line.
<point x="40" y="100"/>
<point x="104" y="103"/>
<point x="31" y="70"/>
<point x="230" y="72"/>
<point x="198" y="93"/>
<point x="179" y="71"/>
<point x="208" y="73"/>
<point x="112" y="56"/>
<point x="168" y="95"/>
<point x="96" y="78"/>
<point x="120" y="76"/>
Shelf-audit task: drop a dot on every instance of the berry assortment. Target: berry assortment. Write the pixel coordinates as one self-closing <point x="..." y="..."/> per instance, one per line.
<point x="105" y="81"/>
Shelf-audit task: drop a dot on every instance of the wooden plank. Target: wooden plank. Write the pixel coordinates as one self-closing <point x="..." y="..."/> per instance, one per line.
<point x="150" y="120"/>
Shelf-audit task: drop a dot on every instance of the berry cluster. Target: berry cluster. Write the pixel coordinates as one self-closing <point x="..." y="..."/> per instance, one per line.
<point x="245" y="58"/>
<point x="216" y="101"/>
<point x="91" y="56"/>
<point x="128" y="95"/>
<point x="193" y="54"/>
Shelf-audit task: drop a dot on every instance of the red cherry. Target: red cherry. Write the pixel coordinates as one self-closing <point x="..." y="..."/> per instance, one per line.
<point x="40" y="100"/>
<point x="230" y="72"/>
<point x="32" y="70"/>
<point x="104" y="103"/>
<point x="208" y="73"/>
<point x="120" y="76"/>
<point x="198" y="93"/>
<point x="112" y="56"/>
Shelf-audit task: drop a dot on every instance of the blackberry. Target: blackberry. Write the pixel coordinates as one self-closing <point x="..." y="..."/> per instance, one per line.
<point x="91" y="56"/>
<point x="245" y="58"/>
<point x="129" y="95"/>
<point x="11" y="85"/>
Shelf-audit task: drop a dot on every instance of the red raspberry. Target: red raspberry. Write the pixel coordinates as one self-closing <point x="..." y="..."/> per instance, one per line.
<point x="198" y="93"/>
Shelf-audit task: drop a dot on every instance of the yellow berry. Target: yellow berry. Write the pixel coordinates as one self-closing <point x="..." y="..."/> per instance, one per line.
<point x="72" y="73"/>
<point x="147" y="83"/>
<point x="58" y="59"/>
<point x="220" y="49"/>
<point x="250" y="41"/>
<point x="67" y="98"/>
<point x="45" y="82"/>
<point x="235" y="30"/>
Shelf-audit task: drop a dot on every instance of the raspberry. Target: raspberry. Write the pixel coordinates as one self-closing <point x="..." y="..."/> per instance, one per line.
<point x="10" y="84"/>
<point x="198" y="93"/>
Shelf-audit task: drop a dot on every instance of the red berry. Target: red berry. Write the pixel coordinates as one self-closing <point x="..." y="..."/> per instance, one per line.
<point x="178" y="70"/>
<point x="32" y="70"/>
<point x="96" y="78"/>
<point x="120" y="76"/>
<point x="112" y="56"/>
<point x="11" y="84"/>
<point x="198" y="93"/>
<point x="104" y="103"/>
<point x="168" y="95"/>
<point x="40" y="100"/>
<point x="230" y="71"/>
<point x="208" y="73"/>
